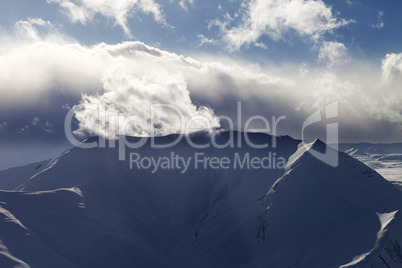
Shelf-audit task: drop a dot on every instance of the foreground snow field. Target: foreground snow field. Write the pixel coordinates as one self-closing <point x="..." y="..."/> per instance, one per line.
<point x="85" y="208"/>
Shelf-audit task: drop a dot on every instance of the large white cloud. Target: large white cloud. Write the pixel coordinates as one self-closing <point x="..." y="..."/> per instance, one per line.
<point x="50" y="71"/>
<point x="153" y="103"/>
<point x="119" y="11"/>
<point x="275" y="18"/>
<point x="392" y="66"/>
<point x="333" y="53"/>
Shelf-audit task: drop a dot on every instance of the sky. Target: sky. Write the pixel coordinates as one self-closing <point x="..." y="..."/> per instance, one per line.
<point x="275" y="57"/>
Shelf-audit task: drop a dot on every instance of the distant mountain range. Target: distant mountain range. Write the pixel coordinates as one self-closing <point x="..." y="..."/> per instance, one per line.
<point x="371" y="148"/>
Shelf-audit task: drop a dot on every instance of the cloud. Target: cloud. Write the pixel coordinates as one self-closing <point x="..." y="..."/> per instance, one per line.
<point x="333" y="53"/>
<point x="45" y="76"/>
<point x="275" y="18"/>
<point x="28" y="29"/>
<point x="183" y="4"/>
<point x="392" y="67"/>
<point x="380" y="22"/>
<point x="204" y="40"/>
<point x="129" y="95"/>
<point x="261" y="45"/>
<point x="119" y="11"/>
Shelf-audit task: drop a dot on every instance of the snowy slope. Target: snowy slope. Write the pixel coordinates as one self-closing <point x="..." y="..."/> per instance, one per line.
<point x="386" y="159"/>
<point x="328" y="217"/>
<point x="87" y="209"/>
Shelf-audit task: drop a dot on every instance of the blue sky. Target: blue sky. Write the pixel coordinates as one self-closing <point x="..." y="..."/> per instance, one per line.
<point x="364" y="38"/>
<point x="277" y="57"/>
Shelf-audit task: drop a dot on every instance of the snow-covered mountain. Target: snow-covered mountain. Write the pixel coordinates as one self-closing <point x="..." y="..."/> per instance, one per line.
<point x="85" y="208"/>
<point x="386" y="159"/>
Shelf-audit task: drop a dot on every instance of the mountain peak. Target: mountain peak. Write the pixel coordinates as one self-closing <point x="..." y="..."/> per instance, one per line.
<point x="315" y="147"/>
<point x="318" y="145"/>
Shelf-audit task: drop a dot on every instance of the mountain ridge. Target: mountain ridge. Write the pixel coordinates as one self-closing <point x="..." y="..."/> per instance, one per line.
<point x="92" y="210"/>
